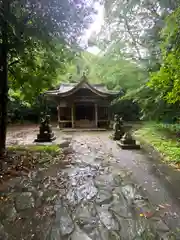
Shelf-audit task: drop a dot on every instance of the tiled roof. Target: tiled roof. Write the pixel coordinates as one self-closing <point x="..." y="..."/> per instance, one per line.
<point x="70" y="88"/>
<point x="66" y="87"/>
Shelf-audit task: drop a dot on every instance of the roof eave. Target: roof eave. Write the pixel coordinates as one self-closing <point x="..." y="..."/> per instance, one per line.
<point x="66" y="94"/>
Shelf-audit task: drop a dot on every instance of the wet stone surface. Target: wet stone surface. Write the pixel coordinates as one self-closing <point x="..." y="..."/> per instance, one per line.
<point x="24" y="201"/>
<point x="63" y="220"/>
<point x="90" y="199"/>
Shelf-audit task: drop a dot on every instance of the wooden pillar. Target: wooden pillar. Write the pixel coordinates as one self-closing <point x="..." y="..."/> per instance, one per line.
<point x="108" y="112"/>
<point x="109" y="119"/>
<point x="96" y="114"/>
<point x="59" y="116"/>
<point x="72" y="115"/>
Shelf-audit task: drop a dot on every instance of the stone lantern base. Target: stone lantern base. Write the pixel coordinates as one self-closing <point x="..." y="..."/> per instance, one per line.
<point x="127" y="142"/>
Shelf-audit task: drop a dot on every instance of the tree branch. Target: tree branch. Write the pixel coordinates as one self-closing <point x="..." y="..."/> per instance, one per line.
<point x="133" y="38"/>
<point x="10" y="70"/>
<point x="12" y="63"/>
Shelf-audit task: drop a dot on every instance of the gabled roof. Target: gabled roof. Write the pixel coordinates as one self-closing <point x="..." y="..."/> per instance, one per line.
<point x="67" y="89"/>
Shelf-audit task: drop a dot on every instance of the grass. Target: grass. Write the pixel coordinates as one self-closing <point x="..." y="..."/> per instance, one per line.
<point x="164" y="139"/>
<point x="52" y="150"/>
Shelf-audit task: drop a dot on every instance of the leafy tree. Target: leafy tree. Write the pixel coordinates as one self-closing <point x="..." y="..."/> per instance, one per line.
<point x="37" y="69"/>
<point x="28" y="26"/>
<point x="137" y="26"/>
<point x="167" y="79"/>
<point x="132" y="29"/>
<point x="118" y="72"/>
<point x="110" y="68"/>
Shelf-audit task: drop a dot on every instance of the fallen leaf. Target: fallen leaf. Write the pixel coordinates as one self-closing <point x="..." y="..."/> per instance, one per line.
<point x="167" y="205"/>
<point x="161" y="206"/>
<point x="148" y="214"/>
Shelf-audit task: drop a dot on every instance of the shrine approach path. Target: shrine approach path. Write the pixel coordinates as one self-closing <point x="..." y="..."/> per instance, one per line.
<point x="103" y="193"/>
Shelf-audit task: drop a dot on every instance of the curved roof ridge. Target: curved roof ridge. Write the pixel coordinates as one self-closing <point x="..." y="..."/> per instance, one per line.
<point x="66" y="89"/>
<point x="90" y="86"/>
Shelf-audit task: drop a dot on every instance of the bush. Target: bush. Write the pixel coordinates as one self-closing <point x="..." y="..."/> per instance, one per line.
<point x="19" y="111"/>
<point x="127" y="109"/>
<point x="163" y="138"/>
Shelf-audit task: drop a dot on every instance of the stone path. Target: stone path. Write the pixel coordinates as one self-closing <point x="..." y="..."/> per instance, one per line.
<point x="95" y="197"/>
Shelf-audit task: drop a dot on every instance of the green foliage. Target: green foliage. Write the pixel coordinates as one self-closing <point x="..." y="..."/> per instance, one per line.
<point x="152" y="105"/>
<point x="117" y="72"/>
<point x="166" y="80"/>
<point x="166" y="144"/>
<point x="82" y="62"/>
<point x="41" y="41"/>
<point x="110" y="68"/>
<point x="20" y="110"/>
<point x="50" y="149"/>
<point x="137" y="25"/>
<point x="170" y="130"/>
<point x="130" y="40"/>
<point x="127" y="109"/>
<point x="37" y="70"/>
<point x="137" y="32"/>
<point x="37" y="40"/>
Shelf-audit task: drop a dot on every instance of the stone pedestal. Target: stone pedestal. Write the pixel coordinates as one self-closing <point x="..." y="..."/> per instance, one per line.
<point x="45" y="137"/>
<point x="117" y="135"/>
<point x="45" y="131"/>
<point x="127" y="142"/>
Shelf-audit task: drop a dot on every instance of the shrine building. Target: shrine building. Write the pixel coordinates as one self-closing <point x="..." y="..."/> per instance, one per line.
<point x="82" y="105"/>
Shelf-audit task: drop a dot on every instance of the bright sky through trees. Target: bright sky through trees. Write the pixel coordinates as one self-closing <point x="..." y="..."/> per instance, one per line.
<point x="95" y="27"/>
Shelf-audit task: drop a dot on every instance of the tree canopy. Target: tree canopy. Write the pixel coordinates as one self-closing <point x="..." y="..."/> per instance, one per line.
<point x="37" y="39"/>
<point x="139" y="50"/>
<point x="42" y="37"/>
<point x="144" y="33"/>
<point x="167" y="79"/>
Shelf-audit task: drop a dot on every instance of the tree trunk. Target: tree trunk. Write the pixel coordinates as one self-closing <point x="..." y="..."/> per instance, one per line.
<point x="4" y="79"/>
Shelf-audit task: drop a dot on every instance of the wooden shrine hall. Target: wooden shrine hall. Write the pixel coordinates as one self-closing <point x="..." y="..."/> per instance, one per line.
<point x="82" y="105"/>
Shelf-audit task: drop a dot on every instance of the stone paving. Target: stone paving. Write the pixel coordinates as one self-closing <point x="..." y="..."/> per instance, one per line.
<point x="88" y="199"/>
